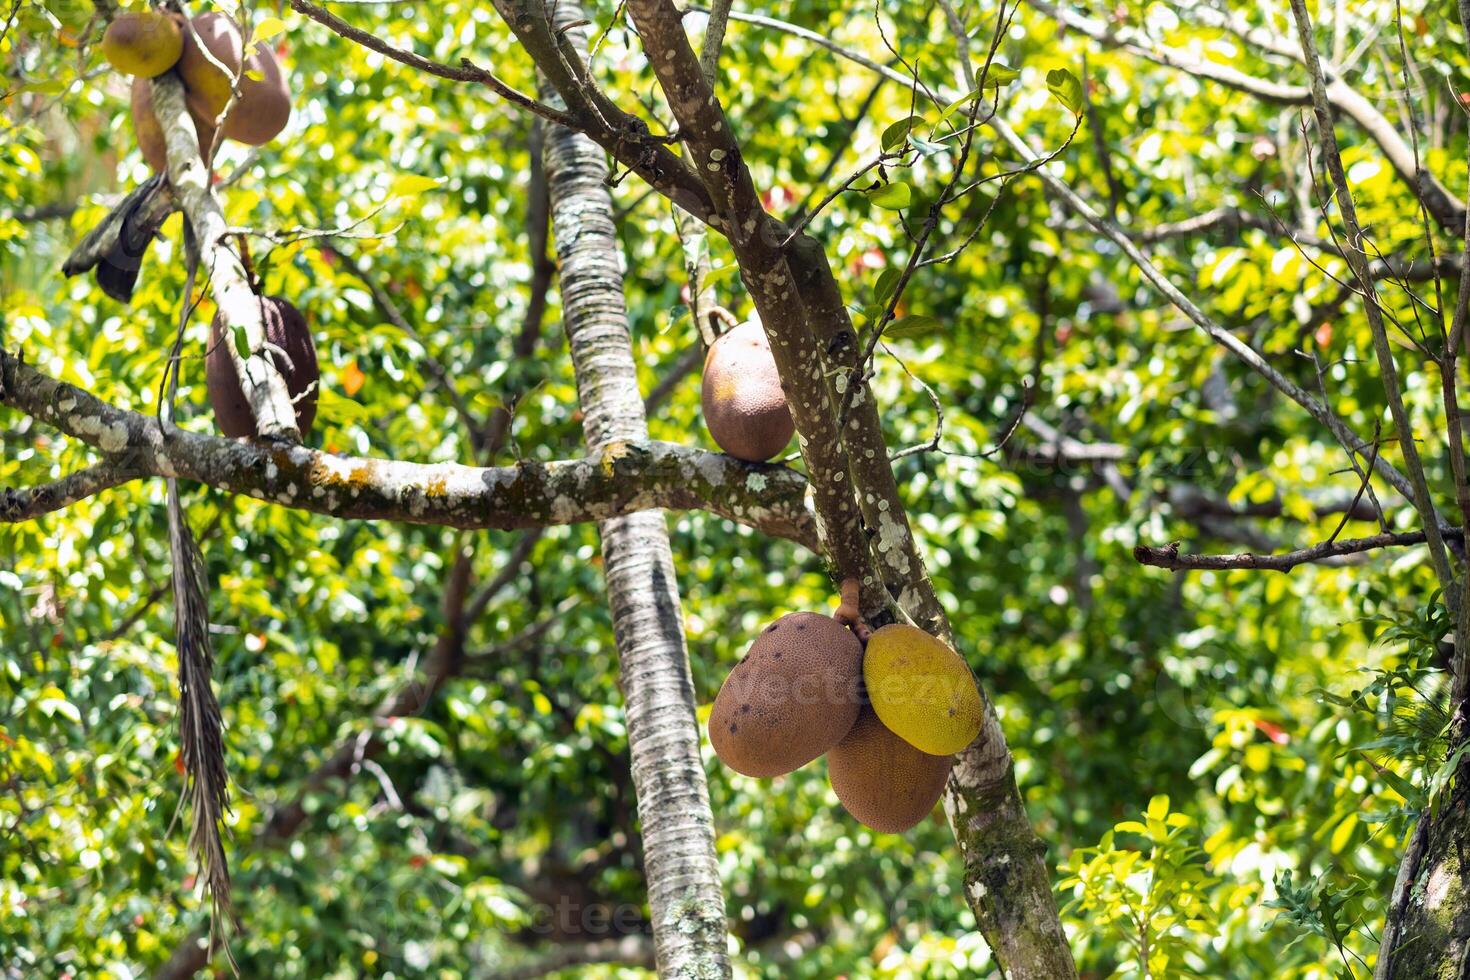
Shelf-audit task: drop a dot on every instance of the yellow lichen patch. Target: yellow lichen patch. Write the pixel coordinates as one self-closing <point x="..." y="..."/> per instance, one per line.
<point x="333" y="471"/>
<point x="436" y="487"/>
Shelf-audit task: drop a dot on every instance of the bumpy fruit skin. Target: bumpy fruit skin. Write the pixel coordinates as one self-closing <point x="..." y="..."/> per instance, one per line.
<point x="150" y="134"/>
<point x="146" y="43"/>
<point x="209" y="88"/>
<point x="744" y="407"/>
<point x="287" y="329"/>
<point x="921" y="689"/>
<point x="793" y="696"/>
<point x="883" y="781"/>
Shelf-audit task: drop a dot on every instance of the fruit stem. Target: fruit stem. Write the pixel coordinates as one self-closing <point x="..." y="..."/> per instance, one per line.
<point x="849" y="613"/>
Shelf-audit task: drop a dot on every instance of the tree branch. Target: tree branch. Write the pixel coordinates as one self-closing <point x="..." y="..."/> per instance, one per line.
<point x="25" y="503"/>
<point x="1448" y="212"/>
<point x="627" y="477"/>
<point x="629" y="951"/>
<point x="464" y="72"/>
<point x="1358" y="262"/>
<point x="260" y="381"/>
<point x="1172" y="557"/>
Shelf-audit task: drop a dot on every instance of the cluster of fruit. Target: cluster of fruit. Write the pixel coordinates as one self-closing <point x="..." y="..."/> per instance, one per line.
<point x="888" y="710"/>
<point x="146" y="44"/>
<point x="206" y="52"/>
<point x="888" y="716"/>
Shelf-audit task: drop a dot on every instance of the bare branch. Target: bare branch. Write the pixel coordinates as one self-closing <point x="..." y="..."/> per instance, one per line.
<point x="1358" y="262"/>
<point x="239" y="307"/>
<point x="25" y="503"/>
<point x="1161" y="283"/>
<point x="630" y="950"/>
<point x="1172" y="557"/>
<point x="465" y="72"/>
<point x="1345" y="99"/>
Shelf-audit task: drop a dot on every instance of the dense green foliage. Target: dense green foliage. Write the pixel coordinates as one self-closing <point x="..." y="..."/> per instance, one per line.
<point x="1221" y="786"/>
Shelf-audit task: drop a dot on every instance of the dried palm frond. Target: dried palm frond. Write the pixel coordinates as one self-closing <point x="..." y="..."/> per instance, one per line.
<point x="201" y="727"/>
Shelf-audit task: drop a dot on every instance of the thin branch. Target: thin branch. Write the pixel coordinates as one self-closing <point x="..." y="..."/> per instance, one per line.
<point x="714" y="38"/>
<point x="510" y="571"/>
<point x="688" y="361"/>
<point x="1160" y="282"/>
<point x="240" y="309"/>
<point x="26" y="503"/>
<point x="1447" y="211"/>
<point x="1171" y="557"/>
<point x="394" y="315"/>
<point x="632" y="951"/>
<point x="478" y="661"/>
<point x="1358" y="263"/>
<point x="465" y="72"/>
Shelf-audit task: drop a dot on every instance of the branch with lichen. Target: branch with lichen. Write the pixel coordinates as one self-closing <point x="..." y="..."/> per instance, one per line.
<point x="627" y="477"/>
<point x="25" y="503"/>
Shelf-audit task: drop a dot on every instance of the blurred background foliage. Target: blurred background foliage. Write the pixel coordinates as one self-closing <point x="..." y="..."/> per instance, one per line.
<point x="1219" y="762"/>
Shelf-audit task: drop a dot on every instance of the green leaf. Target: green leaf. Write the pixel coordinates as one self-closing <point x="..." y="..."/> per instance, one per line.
<point x="720" y="274"/>
<point x="408" y="185"/>
<point x="912" y="326"/>
<point x="891" y="197"/>
<point x="895" y="134"/>
<point x="1411" y="793"/>
<point x="887" y="280"/>
<point x="1068" y="91"/>
<point x="340" y="409"/>
<point x="269" y="27"/>
<point x="242" y="342"/>
<point x="957" y="104"/>
<point x="999" y="75"/>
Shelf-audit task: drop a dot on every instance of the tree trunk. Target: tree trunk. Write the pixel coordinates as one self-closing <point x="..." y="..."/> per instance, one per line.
<point x="1427" y="932"/>
<point x="688" y="909"/>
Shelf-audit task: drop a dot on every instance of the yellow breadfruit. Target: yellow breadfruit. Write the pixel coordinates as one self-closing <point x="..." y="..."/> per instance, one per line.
<point x="921" y="689"/>
<point x="145" y="44"/>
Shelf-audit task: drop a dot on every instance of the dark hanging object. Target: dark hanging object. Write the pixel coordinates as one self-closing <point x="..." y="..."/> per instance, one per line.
<point x="294" y="354"/>
<point x="115" y="248"/>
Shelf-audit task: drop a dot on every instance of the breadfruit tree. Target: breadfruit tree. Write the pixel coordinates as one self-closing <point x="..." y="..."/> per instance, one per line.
<point x="1022" y="325"/>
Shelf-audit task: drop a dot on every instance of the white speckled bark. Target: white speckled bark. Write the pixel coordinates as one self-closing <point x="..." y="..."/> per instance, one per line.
<point x="684" y="894"/>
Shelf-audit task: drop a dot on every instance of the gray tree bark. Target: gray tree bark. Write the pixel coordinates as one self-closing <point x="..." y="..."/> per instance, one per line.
<point x="684" y="896"/>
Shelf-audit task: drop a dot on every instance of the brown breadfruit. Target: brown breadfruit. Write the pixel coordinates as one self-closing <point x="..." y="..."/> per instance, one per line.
<point x="144" y="43"/>
<point x="264" y="106"/>
<point x="209" y="88"/>
<point x="744" y="407"/>
<point x="285" y="328"/>
<point x="791" y="698"/>
<point x="150" y="134"/>
<point x="883" y="781"/>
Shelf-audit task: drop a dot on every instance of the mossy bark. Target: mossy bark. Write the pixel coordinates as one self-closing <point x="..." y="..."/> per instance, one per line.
<point x="684" y="896"/>
<point x="1427" y="936"/>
